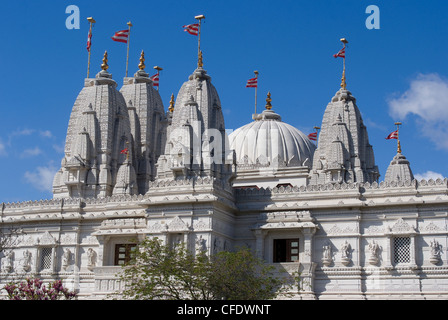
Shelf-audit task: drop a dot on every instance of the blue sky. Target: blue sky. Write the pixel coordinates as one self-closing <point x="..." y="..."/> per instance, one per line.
<point x="397" y="73"/>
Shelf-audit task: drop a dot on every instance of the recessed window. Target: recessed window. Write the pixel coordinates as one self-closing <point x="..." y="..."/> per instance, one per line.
<point x="124" y="253"/>
<point x="45" y="258"/>
<point x="402" y="250"/>
<point x="286" y="250"/>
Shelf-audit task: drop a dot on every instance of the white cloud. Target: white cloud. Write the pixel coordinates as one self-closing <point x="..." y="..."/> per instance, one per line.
<point x="59" y="148"/>
<point x="2" y="149"/>
<point x="42" y="177"/>
<point x="31" y="152"/>
<point x="428" y="175"/>
<point x="373" y="125"/>
<point x="46" y="134"/>
<point x="427" y="98"/>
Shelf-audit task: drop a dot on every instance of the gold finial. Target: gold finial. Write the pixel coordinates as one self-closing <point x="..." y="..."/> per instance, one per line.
<point x="268" y="101"/>
<point x="343" y="81"/>
<point x="141" y="65"/>
<point x="200" y="61"/>
<point x="104" y="66"/>
<point x="171" y="107"/>
<point x="398" y="146"/>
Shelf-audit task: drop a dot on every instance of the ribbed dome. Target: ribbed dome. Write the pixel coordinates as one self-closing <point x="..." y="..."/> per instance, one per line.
<point x="268" y="141"/>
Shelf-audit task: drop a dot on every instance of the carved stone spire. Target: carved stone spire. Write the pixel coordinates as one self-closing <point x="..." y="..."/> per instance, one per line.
<point x="344" y="153"/>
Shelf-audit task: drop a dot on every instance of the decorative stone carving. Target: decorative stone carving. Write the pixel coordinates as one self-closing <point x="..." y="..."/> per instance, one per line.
<point x="8" y="262"/>
<point x="177" y="224"/>
<point x="26" y="264"/>
<point x="91" y="259"/>
<point x="327" y="258"/>
<point x="47" y="239"/>
<point x="436" y="251"/>
<point x="66" y="259"/>
<point x="200" y="245"/>
<point x="374" y="251"/>
<point x="217" y="246"/>
<point x="346" y="252"/>
<point x="401" y="227"/>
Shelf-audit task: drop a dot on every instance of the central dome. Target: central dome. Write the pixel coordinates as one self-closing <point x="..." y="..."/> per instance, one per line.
<point x="268" y="140"/>
<point x="269" y="143"/>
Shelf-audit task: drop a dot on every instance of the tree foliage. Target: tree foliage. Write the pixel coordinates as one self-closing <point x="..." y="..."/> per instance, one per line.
<point x="34" y="289"/>
<point x="158" y="271"/>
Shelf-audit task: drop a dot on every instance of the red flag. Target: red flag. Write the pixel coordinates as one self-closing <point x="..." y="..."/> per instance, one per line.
<point x="125" y="151"/>
<point x="313" y="136"/>
<point x="121" y="36"/>
<point x="192" y="29"/>
<point x="89" y="40"/>
<point x="155" y="80"/>
<point x="393" y="135"/>
<point x="252" y="83"/>
<point x="340" y="54"/>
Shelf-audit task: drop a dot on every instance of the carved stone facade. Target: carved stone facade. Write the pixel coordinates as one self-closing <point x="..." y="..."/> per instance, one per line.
<point x="320" y="212"/>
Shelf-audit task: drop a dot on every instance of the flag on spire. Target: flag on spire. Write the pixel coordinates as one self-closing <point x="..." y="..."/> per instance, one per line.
<point x="313" y="136"/>
<point x="192" y="29"/>
<point x="89" y="40"/>
<point x="393" y="135"/>
<point x="252" y="83"/>
<point x="121" y="36"/>
<point x="155" y="80"/>
<point x="340" y="54"/>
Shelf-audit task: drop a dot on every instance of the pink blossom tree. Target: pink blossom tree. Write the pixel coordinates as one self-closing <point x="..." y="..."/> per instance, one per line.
<point x="34" y="289"/>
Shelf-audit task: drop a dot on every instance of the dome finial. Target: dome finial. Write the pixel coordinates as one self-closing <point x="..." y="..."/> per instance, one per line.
<point x="171" y="107"/>
<point x="104" y="66"/>
<point x="268" y="101"/>
<point x="141" y="65"/>
<point x="200" y="60"/>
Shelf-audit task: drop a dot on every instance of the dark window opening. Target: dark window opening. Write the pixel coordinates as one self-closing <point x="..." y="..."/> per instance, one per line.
<point x="124" y="253"/>
<point x="286" y="250"/>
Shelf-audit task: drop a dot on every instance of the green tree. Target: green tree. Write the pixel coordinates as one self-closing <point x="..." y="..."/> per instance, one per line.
<point x="159" y="271"/>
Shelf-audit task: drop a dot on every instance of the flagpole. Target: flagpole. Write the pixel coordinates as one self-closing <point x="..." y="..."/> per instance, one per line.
<point x="317" y="133"/>
<point x="200" y="17"/>
<point x="127" y="54"/>
<point x="158" y="75"/>
<point x="91" y="21"/>
<point x="256" y="87"/>
<point x="343" y="83"/>
<point x="398" y="124"/>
